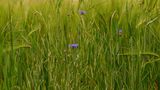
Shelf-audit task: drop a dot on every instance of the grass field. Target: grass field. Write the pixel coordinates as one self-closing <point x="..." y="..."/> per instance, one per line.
<point x="80" y="45"/>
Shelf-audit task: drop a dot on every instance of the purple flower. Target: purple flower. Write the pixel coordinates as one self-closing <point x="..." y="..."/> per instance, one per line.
<point x="73" y="45"/>
<point x="120" y="32"/>
<point x="82" y="12"/>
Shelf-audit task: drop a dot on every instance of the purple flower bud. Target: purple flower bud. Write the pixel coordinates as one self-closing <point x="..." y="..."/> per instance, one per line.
<point x="82" y="12"/>
<point x="73" y="45"/>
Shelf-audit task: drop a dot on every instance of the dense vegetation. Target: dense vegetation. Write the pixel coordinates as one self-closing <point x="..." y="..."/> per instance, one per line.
<point x="85" y="45"/>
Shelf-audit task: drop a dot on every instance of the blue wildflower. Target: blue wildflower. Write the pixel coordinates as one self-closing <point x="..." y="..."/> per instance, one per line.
<point x="73" y="45"/>
<point x="82" y="12"/>
<point x="120" y="32"/>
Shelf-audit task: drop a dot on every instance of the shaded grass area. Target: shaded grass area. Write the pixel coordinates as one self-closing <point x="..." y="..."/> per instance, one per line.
<point x="118" y="45"/>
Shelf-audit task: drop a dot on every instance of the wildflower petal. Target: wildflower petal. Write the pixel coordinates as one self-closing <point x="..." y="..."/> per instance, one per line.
<point x="82" y="12"/>
<point x="73" y="45"/>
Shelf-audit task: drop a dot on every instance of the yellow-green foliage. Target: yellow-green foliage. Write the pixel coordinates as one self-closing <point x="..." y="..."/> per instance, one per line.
<point x="79" y="44"/>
